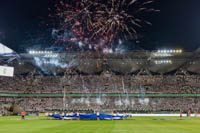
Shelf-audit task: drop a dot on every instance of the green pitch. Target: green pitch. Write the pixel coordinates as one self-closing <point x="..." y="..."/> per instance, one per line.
<point x="138" y="125"/>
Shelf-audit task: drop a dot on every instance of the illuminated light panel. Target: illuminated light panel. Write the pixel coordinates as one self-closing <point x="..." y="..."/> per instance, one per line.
<point x="158" y="62"/>
<point x="40" y="52"/>
<point x="165" y="52"/>
<point x="170" y="51"/>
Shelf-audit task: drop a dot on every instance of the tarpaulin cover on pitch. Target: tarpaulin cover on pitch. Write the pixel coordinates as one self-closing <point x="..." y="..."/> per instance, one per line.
<point x="88" y="116"/>
<point x="74" y="116"/>
<point x="118" y="117"/>
<point x="56" y="116"/>
<point x="105" y="116"/>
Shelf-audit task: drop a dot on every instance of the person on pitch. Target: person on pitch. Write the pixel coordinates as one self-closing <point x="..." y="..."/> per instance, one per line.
<point x="23" y="115"/>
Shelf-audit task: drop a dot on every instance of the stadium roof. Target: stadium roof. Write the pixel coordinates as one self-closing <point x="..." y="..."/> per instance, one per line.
<point x="96" y="63"/>
<point x="5" y="50"/>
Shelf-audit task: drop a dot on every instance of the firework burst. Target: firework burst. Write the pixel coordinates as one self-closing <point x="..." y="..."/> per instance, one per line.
<point x="105" y="20"/>
<point x="120" y="18"/>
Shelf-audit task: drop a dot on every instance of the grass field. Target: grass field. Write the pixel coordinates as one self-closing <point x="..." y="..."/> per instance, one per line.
<point x="138" y="125"/>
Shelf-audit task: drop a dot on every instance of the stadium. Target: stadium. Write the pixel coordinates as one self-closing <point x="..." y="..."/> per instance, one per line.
<point x="98" y="67"/>
<point x="141" y="83"/>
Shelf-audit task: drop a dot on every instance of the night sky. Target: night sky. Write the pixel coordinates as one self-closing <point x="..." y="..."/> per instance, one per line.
<point x="176" y="26"/>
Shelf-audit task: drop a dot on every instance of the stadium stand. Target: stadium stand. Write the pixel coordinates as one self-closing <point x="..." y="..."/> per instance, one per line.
<point x="104" y="85"/>
<point x="77" y="84"/>
<point x="138" y="93"/>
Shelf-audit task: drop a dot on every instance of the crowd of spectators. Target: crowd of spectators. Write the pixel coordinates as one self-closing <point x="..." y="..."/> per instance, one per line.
<point x="101" y="84"/>
<point x="167" y="84"/>
<point x="138" y="104"/>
